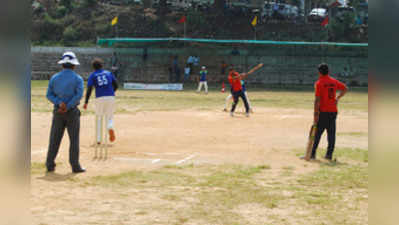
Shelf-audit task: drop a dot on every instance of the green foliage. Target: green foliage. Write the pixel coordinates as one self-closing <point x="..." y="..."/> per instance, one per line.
<point x="61" y="11"/>
<point x="70" y="34"/>
<point x="343" y="28"/>
<point x="67" y="4"/>
<point x="89" y="3"/>
<point x="102" y="29"/>
<point x="49" y="29"/>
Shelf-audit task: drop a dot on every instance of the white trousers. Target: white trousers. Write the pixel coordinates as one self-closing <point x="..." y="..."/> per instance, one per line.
<point x="230" y="97"/>
<point x="105" y="106"/>
<point x="202" y="83"/>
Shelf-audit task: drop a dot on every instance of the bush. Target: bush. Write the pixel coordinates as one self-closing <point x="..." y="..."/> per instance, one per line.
<point x="103" y="29"/>
<point x="67" y="4"/>
<point x="61" y="11"/>
<point x="49" y="29"/>
<point x="70" y="35"/>
<point x="344" y="29"/>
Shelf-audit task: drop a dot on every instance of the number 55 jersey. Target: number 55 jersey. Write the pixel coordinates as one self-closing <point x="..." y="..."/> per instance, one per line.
<point x="102" y="81"/>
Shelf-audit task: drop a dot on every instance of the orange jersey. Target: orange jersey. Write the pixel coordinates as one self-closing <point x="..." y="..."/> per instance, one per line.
<point x="235" y="81"/>
<point x="326" y="88"/>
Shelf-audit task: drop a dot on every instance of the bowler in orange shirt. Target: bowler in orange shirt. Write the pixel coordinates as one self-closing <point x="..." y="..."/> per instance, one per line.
<point x="325" y="108"/>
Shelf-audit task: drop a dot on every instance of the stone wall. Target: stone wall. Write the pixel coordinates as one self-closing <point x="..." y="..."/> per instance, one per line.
<point x="283" y="65"/>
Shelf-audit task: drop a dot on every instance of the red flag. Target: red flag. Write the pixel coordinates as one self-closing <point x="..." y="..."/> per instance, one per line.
<point x="325" y="22"/>
<point x="182" y="19"/>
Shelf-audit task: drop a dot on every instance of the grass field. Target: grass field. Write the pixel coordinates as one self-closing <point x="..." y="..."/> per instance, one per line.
<point x="135" y="101"/>
<point x="180" y="160"/>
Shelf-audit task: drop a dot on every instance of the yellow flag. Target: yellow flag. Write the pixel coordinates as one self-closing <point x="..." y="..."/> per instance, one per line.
<point x="254" y="21"/>
<point x="114" y="21"/>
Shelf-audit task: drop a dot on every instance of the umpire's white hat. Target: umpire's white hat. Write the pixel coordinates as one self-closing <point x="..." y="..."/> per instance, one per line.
<point x="203" y="67"/>
<point x="69" y="57"/>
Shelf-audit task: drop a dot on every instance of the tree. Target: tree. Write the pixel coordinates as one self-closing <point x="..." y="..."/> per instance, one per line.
<point x="67" y="4"/>
<point x="344" y="29"/>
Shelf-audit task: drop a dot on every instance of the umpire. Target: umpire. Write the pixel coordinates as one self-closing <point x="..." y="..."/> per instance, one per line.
<point x="65" y="90"/>
<point x="325" y="108"/>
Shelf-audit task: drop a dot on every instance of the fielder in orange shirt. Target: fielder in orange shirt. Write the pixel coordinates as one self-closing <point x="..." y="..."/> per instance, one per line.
<point x="325" y="108"/>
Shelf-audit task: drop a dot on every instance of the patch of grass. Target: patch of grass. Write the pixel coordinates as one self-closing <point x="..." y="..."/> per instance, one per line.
<point x="219" y="189"/>
<point x="171" y="197"/>
<point x="338" y="177"/>
<point x="141" y="213"/>
<point x="353" y="134"/>
<point x="356" y="154"/>
<point x="36" y="168"/>
<point x="334" y="193"/>
<point x="185" y="166"/>
<point x="264" y="167"/>
<point x="140" y="178"/>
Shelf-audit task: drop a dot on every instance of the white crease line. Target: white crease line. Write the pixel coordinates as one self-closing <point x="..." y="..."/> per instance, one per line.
<point x="130" y="159"/>
<point x="155" y="161"/>
<point x="185" y="159"/>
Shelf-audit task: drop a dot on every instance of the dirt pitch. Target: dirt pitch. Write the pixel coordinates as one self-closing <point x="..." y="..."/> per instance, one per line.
<point x="164" y="169"/>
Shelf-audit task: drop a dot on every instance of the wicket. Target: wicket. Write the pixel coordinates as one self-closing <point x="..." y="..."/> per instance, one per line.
<point x="102" y="146"/>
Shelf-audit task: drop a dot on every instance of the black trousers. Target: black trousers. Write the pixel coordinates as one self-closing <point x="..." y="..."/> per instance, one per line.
<point x="236" y="96"/>
<point x="71" y="121"/>
<point x="327" y="121"/>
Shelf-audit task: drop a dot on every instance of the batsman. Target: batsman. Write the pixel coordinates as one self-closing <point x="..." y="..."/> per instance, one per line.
<point x="325" y="109"/>
<point x="237" y="89"/>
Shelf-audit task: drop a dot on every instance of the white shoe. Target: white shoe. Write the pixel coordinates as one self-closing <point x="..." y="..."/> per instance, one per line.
<point x="231" y="114"/>
<point x="247" y="114"/>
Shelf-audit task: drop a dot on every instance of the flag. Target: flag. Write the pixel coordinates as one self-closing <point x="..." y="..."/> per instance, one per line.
<point x="114" y="21"/>
<point x="325" y="22"/>
<point x="335" y="3"/>
<point x="254" y="21"/>
<point x="182" y="19"/>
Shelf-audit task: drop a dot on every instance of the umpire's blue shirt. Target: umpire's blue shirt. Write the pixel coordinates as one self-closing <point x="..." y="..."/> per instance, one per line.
<point x="65" y="86"/>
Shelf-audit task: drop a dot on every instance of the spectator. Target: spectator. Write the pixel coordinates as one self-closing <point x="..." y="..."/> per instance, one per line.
<point x="223" y="68"/>
<point x="196" y="60"/>
<point x="190" y="62"/>
<point x="235" y="51"/>
<point x="177" y="72"/>
<point x="145" y="54"/>
<point x="170" y="69"/>
<point x="186" y="73"/>
<point x="115" y="65"/>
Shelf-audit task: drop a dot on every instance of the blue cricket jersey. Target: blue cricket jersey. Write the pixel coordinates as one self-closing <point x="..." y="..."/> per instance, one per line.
<point x="102" y="81"/>
<point x="203" y="74"/>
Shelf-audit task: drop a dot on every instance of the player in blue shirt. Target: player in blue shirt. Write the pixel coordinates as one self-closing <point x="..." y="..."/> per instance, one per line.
<point x="105" y="84"/>
<point x="202" y="80"/>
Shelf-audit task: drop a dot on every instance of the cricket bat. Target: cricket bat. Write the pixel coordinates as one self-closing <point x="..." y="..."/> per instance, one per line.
<point x="312" y="134"/>
<point x="255" y="68"/>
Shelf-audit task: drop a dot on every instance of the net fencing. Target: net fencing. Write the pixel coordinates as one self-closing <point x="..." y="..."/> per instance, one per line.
<point x="162" y="60"/>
